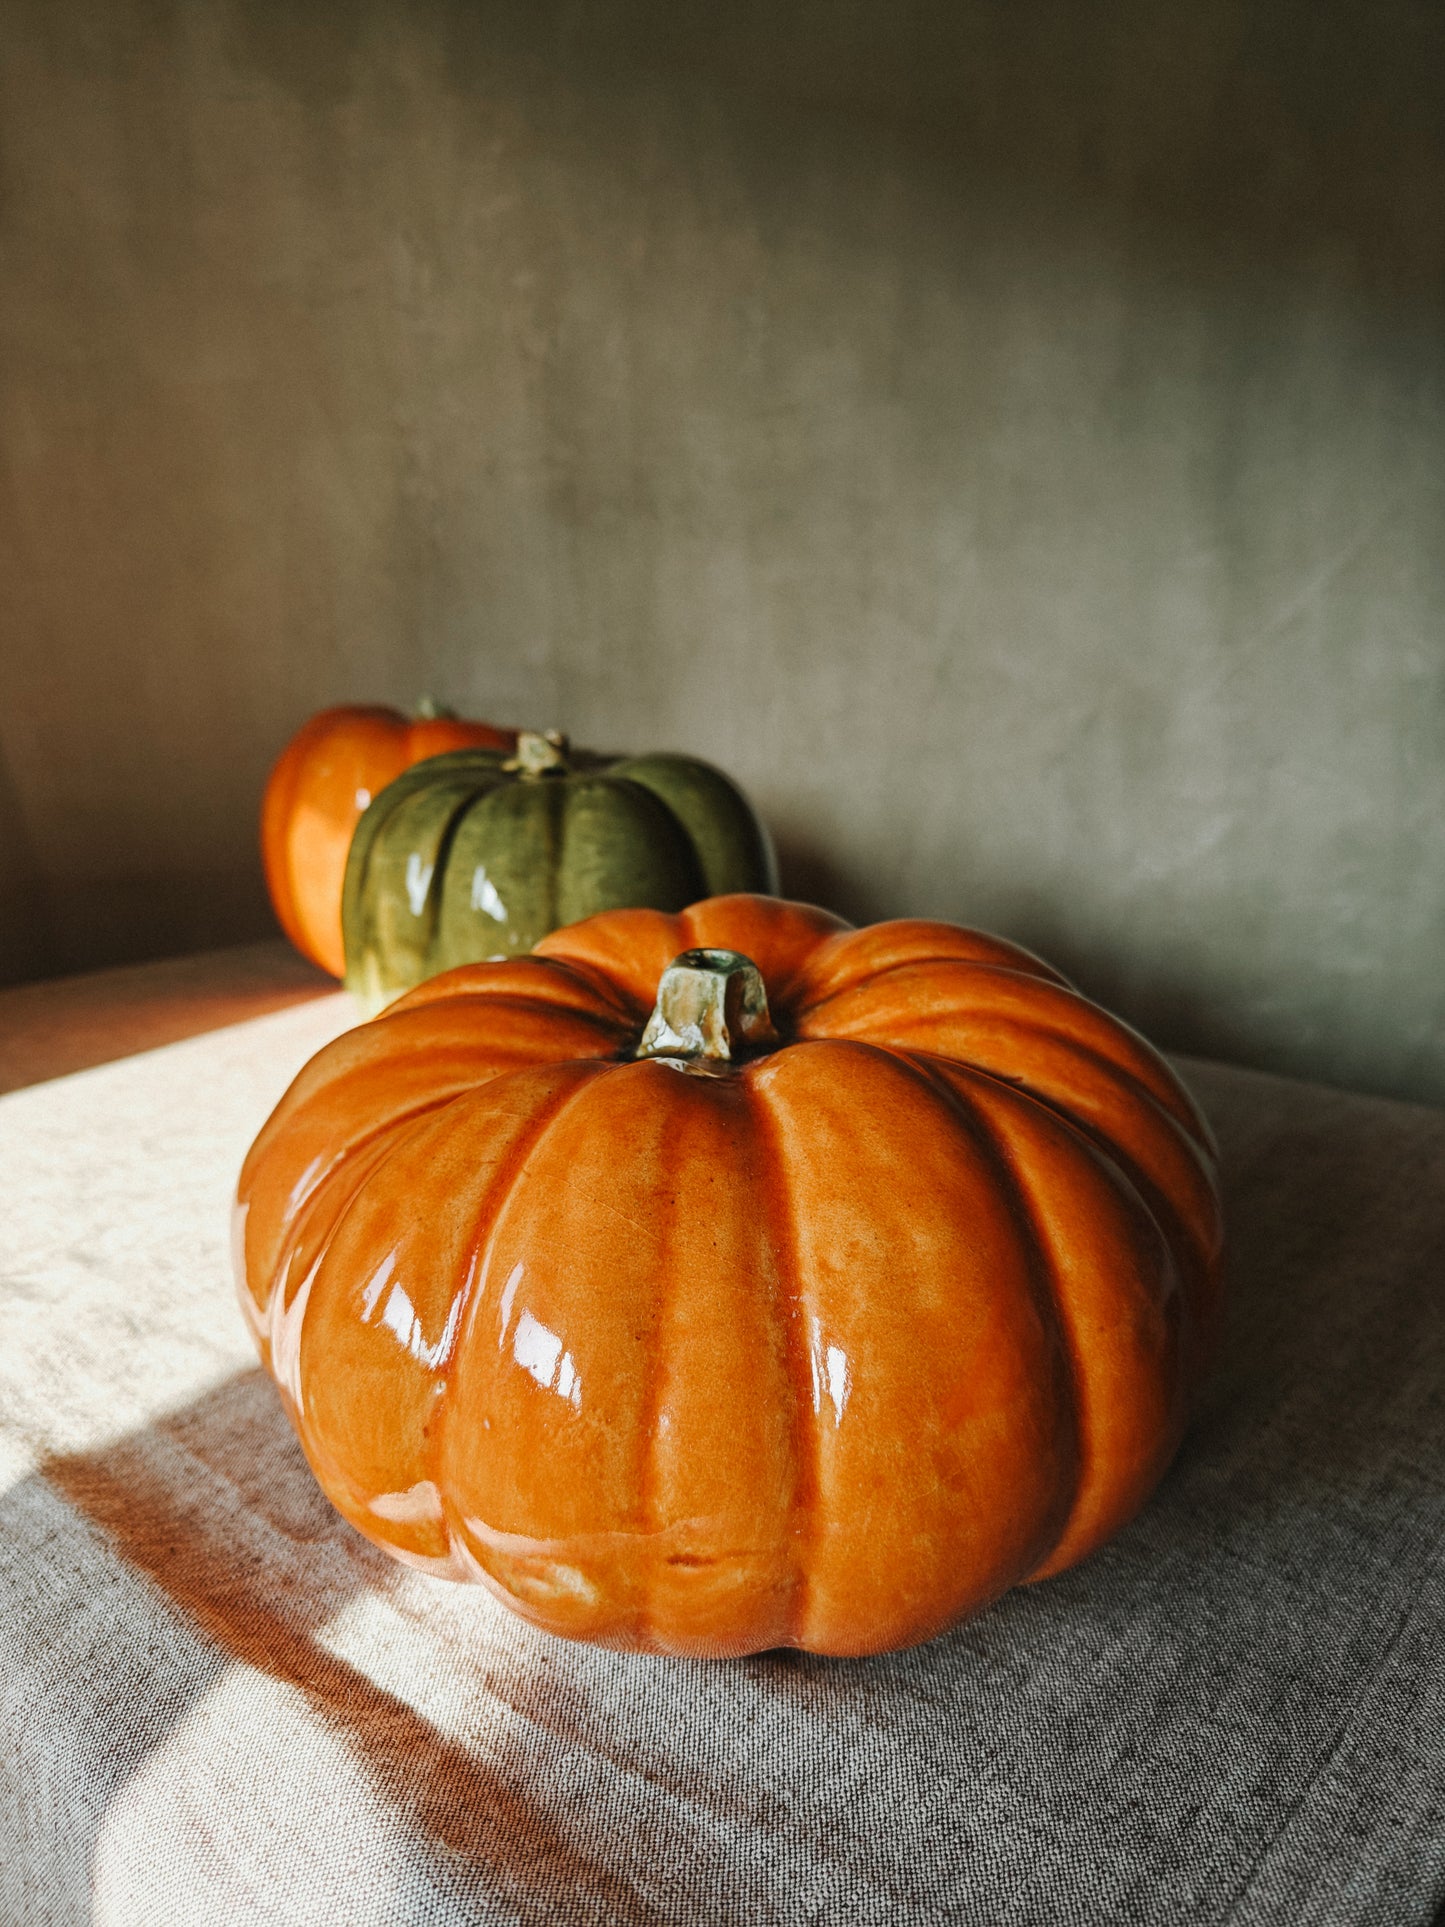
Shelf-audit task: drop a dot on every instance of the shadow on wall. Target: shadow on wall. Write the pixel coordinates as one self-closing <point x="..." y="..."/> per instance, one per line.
<point x="1203" y="126"/>
<point x="812" y="874"/>
<point x="26" y="946"/>
<point x="1018" y="425"/>
<point x="54" y="926"/>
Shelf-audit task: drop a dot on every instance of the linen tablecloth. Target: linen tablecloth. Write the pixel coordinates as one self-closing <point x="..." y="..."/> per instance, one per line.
<point x="219" y="1705"/>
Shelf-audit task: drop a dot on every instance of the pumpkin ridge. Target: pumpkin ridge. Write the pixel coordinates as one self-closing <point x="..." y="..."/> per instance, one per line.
<point x="294" y="1224"/>
<point x="650" y="1624"/>
<point x="1105" y="1163"/>
<point x="504" y="1186"/>
<point x="1161" y="1206"/>
<point x="833" y="955"/>
<point x="354" y="1148"/>
<point x="737" y="855"/>
<point x="491" y="1208"/>
<point x="1043" y="1265"/>
<point x="677" y="876"/>
<point x="399" y="1130"/>
<point x="410" y="1460"/>
<point x="885" y="971"/>
<point x="1173" y="1222"/>
<point x="445" y="842"/>
<point x="1040" y="1259"/>
<point x="803" y="1440"/>
<point x="612" y="1027"/>
<point x="648" y="1409"/>
<point x="356" y="889"/>
<point x="1013" y="1536"/>
<point x="1197" y="1264"/>
<point x="1192" y="1130"/>
<point x="1187" y="1120"/>
<point x="1041" y="1017"/>
<point x="624" y="1010"/>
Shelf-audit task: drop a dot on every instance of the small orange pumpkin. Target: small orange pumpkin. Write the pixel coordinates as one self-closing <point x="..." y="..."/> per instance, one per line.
<point x="864" y="1276"/>
<point x="322" y="781"/>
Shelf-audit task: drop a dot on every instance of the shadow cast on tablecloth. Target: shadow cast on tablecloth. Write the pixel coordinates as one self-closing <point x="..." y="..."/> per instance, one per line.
<point x="215" y="1505"/>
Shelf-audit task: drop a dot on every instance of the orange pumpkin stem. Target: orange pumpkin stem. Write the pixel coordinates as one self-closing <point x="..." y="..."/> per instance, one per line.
<point x="712" y="1007"/>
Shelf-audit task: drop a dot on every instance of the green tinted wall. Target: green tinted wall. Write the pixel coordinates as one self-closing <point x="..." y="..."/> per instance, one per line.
<point x="1008" y="438"/>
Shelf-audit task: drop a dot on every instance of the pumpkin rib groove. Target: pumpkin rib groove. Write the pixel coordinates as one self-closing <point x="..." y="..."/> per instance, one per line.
<point x="556" y="821"/>
<point x="1109" y="1479"/>
<point x="399" y="1130"/>
<point x="802" y="1434"/>
<point x="1014" y="1540"/>
<point x="693" y="1106"/>
<point x="646" y="817"/>
<point x="600" y="1021"/>
<point x="333" y="1074"/>
<point x="1106" y="1070"/>
<point x="1044" y="1018"/>
<point x="1201" y="1288"/>
<point x="872" y="974"/>
<point x="1199" y="1152"/>
<point x="1199" y="1155"/>
<point x="339" y="1439"/>
<point x="354" y="1150"/>
<point x="1024" y="1180"/>
<point x="491" y="1208"/>
<point x="1196" y="1263"/>
<point x="366" y="844"/>
<point x="1042" y="1266"/>
<point x="739" y="853"/>
<point x="445" y="844"/>
<point x="468" y="981"/>
<point x="648" y="1408"/>
<point x="500" y="1194"/>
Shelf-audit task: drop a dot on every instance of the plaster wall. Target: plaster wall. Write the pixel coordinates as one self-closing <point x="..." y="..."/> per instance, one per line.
<point x="1009" y="438"/>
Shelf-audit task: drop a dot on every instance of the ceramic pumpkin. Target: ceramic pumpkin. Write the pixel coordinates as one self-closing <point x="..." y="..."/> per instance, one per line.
<point x="479" y="855"/>
<point x="737" y="1279"/>
<point x="322" y="781"/>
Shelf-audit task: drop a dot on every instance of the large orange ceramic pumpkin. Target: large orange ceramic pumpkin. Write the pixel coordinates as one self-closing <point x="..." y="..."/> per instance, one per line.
<point x="737" y="1279"/>
<point x="322" y="781"/>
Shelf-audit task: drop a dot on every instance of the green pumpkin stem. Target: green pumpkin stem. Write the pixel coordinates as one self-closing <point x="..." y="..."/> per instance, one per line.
<point x="429" y="710"/>
<point x="540" y="754"/>
<point x="712" y="1008"/>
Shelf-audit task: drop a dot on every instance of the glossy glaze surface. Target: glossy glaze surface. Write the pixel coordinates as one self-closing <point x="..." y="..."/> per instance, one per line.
<point x="824" y="1343"/>
<point x="323" y="780"/>
<point x="477" y="856"/>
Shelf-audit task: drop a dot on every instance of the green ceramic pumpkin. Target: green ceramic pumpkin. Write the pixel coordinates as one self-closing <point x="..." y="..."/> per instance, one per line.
<point x="477" y="854"/>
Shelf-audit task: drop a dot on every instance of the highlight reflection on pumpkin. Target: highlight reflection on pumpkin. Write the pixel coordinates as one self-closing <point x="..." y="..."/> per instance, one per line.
<point x="854" y="1278"/>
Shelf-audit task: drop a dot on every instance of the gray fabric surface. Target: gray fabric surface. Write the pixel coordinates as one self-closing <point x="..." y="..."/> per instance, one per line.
<point x="218" y="1705"/>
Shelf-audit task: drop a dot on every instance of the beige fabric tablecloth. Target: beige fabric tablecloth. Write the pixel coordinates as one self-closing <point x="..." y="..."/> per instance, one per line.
<point x="218" y="1705"/>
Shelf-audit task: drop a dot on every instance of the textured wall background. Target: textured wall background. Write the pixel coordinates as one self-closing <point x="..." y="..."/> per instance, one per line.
<point x="1008" y="437"/>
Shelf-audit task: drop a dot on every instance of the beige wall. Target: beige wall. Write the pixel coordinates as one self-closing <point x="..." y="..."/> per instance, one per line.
<point x="1009" y="438"/>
